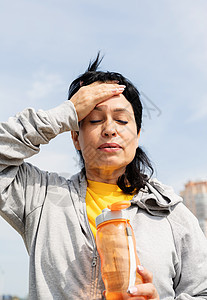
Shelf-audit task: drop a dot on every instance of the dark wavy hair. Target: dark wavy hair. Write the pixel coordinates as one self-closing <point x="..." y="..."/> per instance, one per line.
<point x="135" y="175"/>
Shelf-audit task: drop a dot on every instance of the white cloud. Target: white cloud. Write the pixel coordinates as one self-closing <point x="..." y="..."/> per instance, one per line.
<point x="191" y="20"/>
<point x="199" y="109"/>
<point x="44" y="84"/>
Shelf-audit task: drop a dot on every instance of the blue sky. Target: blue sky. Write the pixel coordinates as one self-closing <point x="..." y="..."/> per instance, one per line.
<point x="161" y="46"/>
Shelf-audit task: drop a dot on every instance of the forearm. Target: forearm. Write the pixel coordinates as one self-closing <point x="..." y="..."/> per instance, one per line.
<point x="22" y="135"/>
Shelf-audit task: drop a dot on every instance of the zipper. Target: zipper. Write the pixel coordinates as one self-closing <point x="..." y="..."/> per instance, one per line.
<point x="94" y="259"/>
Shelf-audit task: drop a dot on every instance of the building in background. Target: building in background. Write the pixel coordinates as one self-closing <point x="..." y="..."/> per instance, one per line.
<point x="195" y="198"/>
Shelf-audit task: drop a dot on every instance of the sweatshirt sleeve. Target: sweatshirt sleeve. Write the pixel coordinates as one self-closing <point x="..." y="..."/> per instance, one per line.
<point x="191" y="245"/>
<point x="21" y="138"/>
<point x="22" y="135"/>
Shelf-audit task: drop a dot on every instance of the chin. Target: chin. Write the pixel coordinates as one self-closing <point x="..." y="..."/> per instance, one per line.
<point x="111" y="165"/>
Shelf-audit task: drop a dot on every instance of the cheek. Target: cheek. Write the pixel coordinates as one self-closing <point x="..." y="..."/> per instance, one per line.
<point x="87" y="145"/>
<point x="130" y="136"/>
<point x="82" y="139"/>
<point x="88" y="154"/>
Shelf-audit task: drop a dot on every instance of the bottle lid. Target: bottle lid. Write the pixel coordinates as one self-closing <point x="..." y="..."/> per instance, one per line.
<point x="114" y="211"/>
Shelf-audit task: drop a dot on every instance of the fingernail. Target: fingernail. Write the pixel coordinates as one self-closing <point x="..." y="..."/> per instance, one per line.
<point x="119" y="89"/>
<point x="140" y="268"/>
<point x="115" y="90"/>
<point x="133" y="290"/>
<point x="122" y="86"/>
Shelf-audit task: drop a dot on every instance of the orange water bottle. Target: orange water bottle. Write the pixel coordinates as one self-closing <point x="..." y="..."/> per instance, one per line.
<point x="116" y="246"/>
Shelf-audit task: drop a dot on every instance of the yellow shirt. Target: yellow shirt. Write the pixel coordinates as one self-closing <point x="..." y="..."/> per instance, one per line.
<point x="98" y="196"/>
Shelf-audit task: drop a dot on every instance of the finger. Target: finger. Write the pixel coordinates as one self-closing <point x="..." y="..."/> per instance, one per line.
<point x="136" y="298"/>
<point x="107" y="92"/>
<point x="144" y="290"/>
<point x="103" y="82"/>
<point x="100" y="86"/>
<point x="146" y="275"/>
<point x="99" y="92"/>
<point x="132" y="297"/>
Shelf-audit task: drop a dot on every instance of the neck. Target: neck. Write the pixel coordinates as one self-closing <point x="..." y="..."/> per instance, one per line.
<point x="105" y="176"/>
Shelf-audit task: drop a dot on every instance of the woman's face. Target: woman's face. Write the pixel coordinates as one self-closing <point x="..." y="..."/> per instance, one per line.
<point x="108" y="135"/>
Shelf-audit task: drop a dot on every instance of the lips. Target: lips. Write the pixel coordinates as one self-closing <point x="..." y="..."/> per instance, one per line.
<point x="109" y="146"/>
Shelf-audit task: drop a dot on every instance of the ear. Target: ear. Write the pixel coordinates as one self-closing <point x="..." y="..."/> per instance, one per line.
<point x="75" y="136"/>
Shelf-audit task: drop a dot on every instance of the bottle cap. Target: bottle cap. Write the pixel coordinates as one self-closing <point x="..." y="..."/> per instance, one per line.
<point x="114" y="211"/>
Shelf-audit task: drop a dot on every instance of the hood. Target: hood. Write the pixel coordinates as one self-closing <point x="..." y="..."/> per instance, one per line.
<point x="158" y="199"/>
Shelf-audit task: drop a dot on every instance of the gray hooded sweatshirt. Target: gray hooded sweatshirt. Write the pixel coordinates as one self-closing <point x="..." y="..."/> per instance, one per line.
<point x="50" y="214"/>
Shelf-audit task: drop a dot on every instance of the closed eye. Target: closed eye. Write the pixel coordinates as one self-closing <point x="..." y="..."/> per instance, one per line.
<point x="98" y="121"/>
<point x="122" y="122"/>
<point x="95" y="121"/>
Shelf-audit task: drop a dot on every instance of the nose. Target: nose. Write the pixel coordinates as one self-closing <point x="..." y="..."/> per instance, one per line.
<point x="109" y="130"/>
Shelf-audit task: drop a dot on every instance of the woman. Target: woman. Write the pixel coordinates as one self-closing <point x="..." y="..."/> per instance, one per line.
<point x="56" y="216"/>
